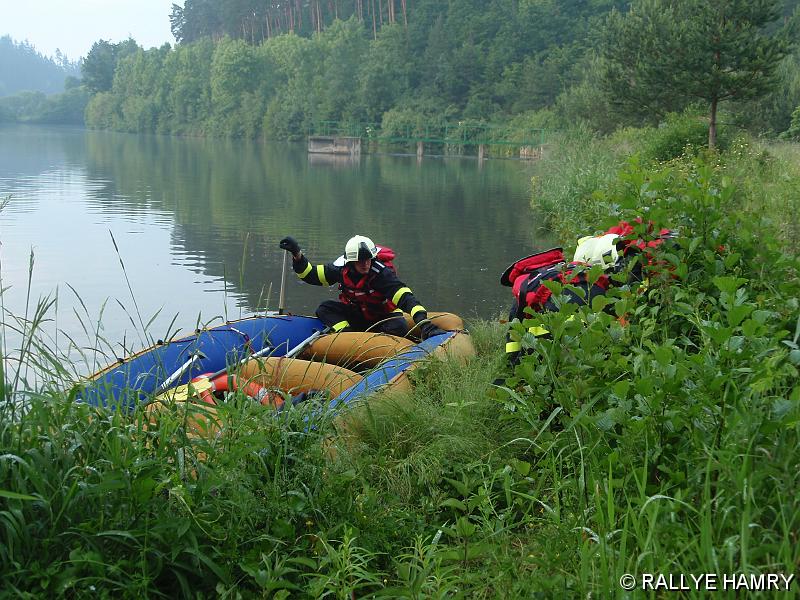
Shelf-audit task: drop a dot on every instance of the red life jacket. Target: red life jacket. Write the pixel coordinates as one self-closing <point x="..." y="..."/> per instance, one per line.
<point x="526" y="276"/>
<point x="357" y="289"/>
<point x="529" y="289"/>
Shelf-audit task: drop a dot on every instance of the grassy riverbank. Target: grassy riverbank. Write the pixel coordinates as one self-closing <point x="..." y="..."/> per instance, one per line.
<point x="666" y="443"/>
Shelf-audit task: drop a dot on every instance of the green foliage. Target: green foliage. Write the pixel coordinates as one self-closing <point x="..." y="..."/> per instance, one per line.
<point x="102" y="112"/>
<point x="793" y="132"/>
<point x="275" y="71"/>
<point x="665" y="441"/>
<point x="233" y="81"/>
<point x="99" y="65"/>
<point x="576" y="165"/>
<point x="662" y="55"/>
<point x="385" y="75"/>
<point x="772" y="113"/>
<point x="24" y="69"/>
<point x="34" y="107"/>
<point x="679" y="135"/>
<point x="650" y="425"/>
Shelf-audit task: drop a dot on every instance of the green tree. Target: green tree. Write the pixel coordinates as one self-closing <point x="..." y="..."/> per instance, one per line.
<point x="385" y="73"/>
<point x="99" y="65"/>
<point x="342" y="47"/>
<point x="23" y="68"/>
<point x="665" y="54"/>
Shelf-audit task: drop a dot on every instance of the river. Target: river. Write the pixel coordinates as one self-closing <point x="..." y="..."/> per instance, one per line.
<point x="133" y="237"/>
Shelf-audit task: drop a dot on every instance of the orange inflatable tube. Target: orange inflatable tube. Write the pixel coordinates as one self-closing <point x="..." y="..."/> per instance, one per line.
<point x="443" y="320"/>
<point x="356" y="350"/>
<point x="295" y="375"/>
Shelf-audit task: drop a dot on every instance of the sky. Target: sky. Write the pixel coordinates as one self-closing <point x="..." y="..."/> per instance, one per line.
<point x="73" y="26"/>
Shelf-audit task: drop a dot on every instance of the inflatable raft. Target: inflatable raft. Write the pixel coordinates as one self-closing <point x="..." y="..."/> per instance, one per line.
<point x="271" y="359"/>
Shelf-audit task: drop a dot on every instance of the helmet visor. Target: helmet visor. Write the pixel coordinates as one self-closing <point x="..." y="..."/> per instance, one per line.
<point x="361" y="249"/>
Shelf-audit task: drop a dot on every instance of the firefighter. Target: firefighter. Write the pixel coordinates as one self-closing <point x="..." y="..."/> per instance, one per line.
<point x="371" y="296"/>
<point x="612" y="250"/>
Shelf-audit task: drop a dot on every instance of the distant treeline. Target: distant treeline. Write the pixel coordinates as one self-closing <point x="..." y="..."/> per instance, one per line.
<point x="24" y="69"/>
<point x="36" y="88"/>
<point x="254" y="69"/>
<point x="272" y="69"/>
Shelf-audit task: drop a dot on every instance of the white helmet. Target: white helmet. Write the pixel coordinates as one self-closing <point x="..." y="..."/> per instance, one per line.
<point x="359" y="247"/>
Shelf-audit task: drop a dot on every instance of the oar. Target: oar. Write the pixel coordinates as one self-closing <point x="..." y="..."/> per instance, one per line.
<point x="259" y="354"/>
<point x="267" y="349"/>
<point x="180" y="371"/>
<point x="299" y="348"/>
<point x="281" y="297"/>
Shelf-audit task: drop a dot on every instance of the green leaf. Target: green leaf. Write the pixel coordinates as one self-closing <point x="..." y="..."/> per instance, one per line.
<point x="782" y="407"/>
<point x="453" y="503"/>
<point x="600" y="302"/>
<point x="282" y="528"/>
<point x="621" y="388"/>
<point x="465" y="528"/>
<point x="719" y="335"/>
<point x="521" y="467"/>
<point x="738" y="313"/>
<point x="731" y="259"/>
<point x="794" y="356"/>
<point x="728" y="284"/>
<point x="16" y="496"/>
<point x="750" y="328"/>
<point x="460" y="486"/>
<point x="663" y="355"/>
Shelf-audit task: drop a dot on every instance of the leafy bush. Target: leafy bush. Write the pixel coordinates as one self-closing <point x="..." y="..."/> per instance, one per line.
<point x="655" y="405"/>
<point x="679" y="134"/>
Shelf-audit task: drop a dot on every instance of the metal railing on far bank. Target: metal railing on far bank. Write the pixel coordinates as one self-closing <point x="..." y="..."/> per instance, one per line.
<point x="458" y="138"/>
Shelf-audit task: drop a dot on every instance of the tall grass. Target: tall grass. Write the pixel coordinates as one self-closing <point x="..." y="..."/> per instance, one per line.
<point x="667" y="444"/>
<point x="673" y="441"/>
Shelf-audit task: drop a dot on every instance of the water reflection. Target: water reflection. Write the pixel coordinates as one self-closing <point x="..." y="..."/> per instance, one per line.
<point x="196" y="222"/>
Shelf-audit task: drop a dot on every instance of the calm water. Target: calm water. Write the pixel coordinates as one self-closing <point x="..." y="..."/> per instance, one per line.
<point x="197" y="223"/>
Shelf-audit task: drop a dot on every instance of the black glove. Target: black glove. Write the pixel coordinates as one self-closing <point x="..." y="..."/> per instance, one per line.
<point x="290" y="245"/>
<point x="429" y="330"/>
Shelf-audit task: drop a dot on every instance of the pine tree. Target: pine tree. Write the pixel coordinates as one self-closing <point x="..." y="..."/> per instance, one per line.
<point x="664" y="54"/>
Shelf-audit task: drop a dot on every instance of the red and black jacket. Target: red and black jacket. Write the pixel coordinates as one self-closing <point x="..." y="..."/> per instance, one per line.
<point x="527" y="275"/>
<point x="377" y="294"/>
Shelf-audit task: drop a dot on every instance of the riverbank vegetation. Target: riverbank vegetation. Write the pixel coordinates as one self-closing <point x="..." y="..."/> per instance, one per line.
<point x="656" y="432"/>
<point x="663" y="441"/>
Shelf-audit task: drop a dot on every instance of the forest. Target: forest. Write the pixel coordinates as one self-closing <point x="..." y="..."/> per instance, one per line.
<point x="36" y="88"/>
<point x="272" y="70"/>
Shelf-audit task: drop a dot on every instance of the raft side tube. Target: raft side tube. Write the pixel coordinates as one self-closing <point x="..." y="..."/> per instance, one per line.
<point x="356" y="350"/>
<point x="443" y="320"/>
<point x="295" y="375"/>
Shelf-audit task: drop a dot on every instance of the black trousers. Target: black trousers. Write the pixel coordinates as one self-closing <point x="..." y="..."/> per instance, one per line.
<point x="332" y="312"/>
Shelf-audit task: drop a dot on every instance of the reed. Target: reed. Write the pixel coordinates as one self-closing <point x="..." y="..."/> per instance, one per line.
<point x="665" y="446"/>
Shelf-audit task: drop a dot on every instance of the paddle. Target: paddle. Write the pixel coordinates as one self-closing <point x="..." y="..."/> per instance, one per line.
<point x="281" y="297"/>
<point x="267" y="349"/>
<point x="180" y="371"/>
<point x="299" y="348"/>
<point x="259" y="354"/>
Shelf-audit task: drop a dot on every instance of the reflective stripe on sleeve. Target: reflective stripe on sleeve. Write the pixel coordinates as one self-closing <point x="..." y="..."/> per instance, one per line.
<point x="340" y="325"/>
<point x="305" y="272"/>
<point x="416" y="309"/>
<point x="537" y="330"/>
<point x="513" y="347"/>
<point x="321" y="275"/>
<point x="399" y="294"/>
